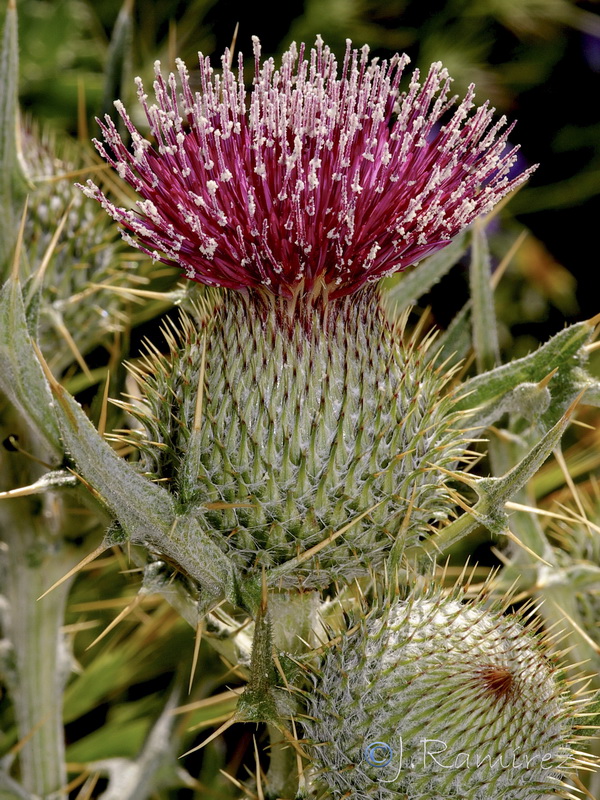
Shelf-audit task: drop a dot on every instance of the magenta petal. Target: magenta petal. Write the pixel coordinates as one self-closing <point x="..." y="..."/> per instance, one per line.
<point x="319" y="177"/>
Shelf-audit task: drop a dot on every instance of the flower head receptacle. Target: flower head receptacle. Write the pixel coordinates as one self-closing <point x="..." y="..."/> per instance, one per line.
<point x="338" y="436"/>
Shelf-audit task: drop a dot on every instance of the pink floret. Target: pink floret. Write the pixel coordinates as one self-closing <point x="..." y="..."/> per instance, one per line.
<point x="319" y="179"/>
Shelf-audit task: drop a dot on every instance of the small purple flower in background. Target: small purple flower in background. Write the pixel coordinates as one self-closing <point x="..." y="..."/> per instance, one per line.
<point x="314" y="183"/>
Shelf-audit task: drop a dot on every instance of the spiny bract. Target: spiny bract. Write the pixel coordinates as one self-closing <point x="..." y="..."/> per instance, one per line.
<point x="303" y="429"/>
<point x="435" y="699"/>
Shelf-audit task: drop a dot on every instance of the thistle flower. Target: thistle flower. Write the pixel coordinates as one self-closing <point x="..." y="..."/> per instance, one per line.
<point x="316" y="183"/>
<point x="433" y="698"/>
<point x="319" y="427"/>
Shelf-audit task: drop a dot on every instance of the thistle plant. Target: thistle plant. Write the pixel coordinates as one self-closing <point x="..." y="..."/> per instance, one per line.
<point x="430" y="697"/>
<point x="298" y="439"/>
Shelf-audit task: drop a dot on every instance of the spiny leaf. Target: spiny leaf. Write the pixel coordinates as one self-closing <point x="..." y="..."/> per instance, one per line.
<point x="564" y="350"/>
<point x="485" y="334"/>
<point x="21" y="376"/>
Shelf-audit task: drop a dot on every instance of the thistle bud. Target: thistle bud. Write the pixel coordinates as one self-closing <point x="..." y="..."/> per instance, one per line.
<point x="87" y="252"/>
<point x="435" y="698"/>
<point x="304" y="428"/>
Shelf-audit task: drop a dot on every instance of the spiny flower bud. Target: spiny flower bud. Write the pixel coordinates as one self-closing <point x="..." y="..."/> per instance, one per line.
<point x="303" y="430"/>
<point x="436" y="699"/>
<point x="86" y="253"/>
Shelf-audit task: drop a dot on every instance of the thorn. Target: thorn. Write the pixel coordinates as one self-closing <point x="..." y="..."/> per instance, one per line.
<point x="83" y="563"/>
<point x="127" y="610"/>
<point x="583" y="424"/>
<point x="578" y="628"/>
<point x="498" y="273"/>
<point x="591" y="348"/>
<point x="16" y="748"/>
<point x="19" y="244"/>
<point x="219" y="505"/>
<point x="197" y="642"/>
<point x="173" y="296"/>
<point x="233" y="44"/>
<point x="263" y="594"/>
<point x="104" y="410"/>
<point x="39" y="275"/>
<point x="456" y="498"/>
<point x="558" y="455"/>
<point x="302" y="788"/>
<point x="593" y="321"/>
<point x="291" y="739"/>
<point x="456" y="474"/>
<point x="208" y="701"/>
<point x="73" y="784"/>
<point x="60" y="326"/>
<point x="200" y="391"/>
<point x="87" y="790"/>
<point x="577" y="518"/>
<point x="508" y="533"/>
<point x="542" y="512"/>
<point x="235" y="782"/>
<point x="259" y="788"/>
<point x="94" y="492"/>
<point x="56" y="388"/>
<point x="545" y="381"/>
<point x="231" y="721"/>
<point x="12" y="443"/>
<point x="279" y="669"/>
<point x="23" y="491"/>
<point x="75" y="173"/>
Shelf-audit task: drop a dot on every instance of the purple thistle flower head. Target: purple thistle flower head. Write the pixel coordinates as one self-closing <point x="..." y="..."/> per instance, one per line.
<point x="316" y="182"/>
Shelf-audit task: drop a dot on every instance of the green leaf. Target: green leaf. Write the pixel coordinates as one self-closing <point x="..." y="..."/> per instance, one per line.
<point x="13" y="181"/>
<point x="21" y="376"/>
<point x="123" y="740"/>
<point x="485" y="333"/>
<point x="9" y="69"/>
<point x="494" y="493"/>
<point x="564" y="351"/>
<point x="145" y="511"/>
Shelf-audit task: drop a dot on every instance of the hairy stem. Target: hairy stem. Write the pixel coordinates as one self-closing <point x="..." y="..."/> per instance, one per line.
<point x="37" y="550"/>
<point x="282" y="777"/>
<point x="40" y="661"/>
<point x="296" y="623"/>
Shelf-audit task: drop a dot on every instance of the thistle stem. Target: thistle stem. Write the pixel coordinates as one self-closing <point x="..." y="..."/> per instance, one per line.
<point x="282" y="777"/>
<point x="295" y="623"/>
<point x="40" y="664"/>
